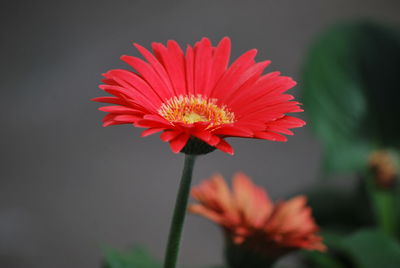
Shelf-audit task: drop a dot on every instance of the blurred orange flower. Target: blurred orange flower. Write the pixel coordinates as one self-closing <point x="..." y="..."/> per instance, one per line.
<point x="251" y="219"/>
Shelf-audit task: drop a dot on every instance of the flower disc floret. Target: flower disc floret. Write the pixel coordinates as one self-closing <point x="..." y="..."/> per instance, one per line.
<point x="195" y="108"/>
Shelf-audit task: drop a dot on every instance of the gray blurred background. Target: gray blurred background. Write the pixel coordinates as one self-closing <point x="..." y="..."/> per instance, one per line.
<point x="70" y="186"/>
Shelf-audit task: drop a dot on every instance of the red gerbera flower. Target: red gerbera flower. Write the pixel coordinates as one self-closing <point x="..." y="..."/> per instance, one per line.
<point x="250" y="218"/>
<point x="196" y="96"/>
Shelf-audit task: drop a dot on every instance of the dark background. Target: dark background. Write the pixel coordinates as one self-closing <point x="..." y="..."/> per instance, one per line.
<point x="69" y="186"/>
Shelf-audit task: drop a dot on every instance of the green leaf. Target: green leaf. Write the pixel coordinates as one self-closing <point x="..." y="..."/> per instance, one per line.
<point x="350" y="92"/>
<point x="134" y="258"/>
<point x="372" y="249"/>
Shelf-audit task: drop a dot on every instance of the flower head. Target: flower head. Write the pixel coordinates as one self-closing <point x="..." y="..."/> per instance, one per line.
<point x="249" y="218"/>
<point x="384" y="168"/>
<point x="196" y="96"/>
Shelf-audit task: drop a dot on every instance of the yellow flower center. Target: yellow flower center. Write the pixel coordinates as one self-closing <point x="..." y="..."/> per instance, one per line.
<point x="194" y="108"/>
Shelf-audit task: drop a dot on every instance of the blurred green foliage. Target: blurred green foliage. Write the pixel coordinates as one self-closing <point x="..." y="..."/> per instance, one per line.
<point x="372" y="249"/>
<point x="350" y="92"/>
<point x="134" y="258"/>
<point x="366" y="248"/>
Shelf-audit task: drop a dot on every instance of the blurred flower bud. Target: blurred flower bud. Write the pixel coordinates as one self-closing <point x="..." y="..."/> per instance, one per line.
<point x="383" y="166"/>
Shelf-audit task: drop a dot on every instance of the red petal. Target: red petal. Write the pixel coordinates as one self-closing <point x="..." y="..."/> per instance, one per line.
<point x="214" y="140"/>
<point x="151" y="131"/>
<point x="288" y="122"/>
<point x="179" y="142"/>
<point x="220" y="63"/>
<point x="233" y="131"/>
<point x="169" y="135"/>
<point x="174" y="62"/>
<point x="157" y="118"/>
<point x="112" y="100"/>
<point x="267" y="89"/>
<point x="280" y="130"/>
<point x="133" y="86"/>
<point x="207" y="137"/>
<point x="127" y="118"/>
<point x="245" y="84"/>
<point x="118" y="110"/>
<point x="151" y="77"/>
<point x="270" y="136"/>
<point x="230" y="76"/>
<point x="113" y="123"/>
<point x="225" y="147"/>
<point x="157" y="66"/>
<point x="190" y="70"/>
<point x="202" y="65"/>
<point x="149" y="124"/>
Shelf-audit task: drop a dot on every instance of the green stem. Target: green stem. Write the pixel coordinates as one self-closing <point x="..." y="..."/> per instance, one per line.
<point x="383" y="205"/>
<point x="175" y="232"/>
